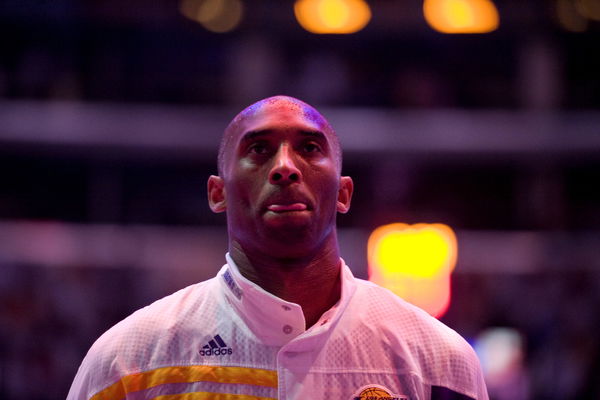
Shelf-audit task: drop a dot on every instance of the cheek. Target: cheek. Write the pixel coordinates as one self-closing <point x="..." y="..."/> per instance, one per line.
<point x="244" y="188"/>
<point x="325" y="184"/>
<point x="326" y="170"/>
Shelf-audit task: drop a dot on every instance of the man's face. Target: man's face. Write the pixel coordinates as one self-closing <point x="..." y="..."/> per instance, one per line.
<point x="282" y="186"/>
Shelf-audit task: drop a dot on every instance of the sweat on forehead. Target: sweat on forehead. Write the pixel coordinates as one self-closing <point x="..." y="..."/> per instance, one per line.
<point x="273" y="104"/>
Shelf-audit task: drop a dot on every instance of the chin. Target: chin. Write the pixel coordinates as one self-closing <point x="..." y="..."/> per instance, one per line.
<point x="289" y="235"/>
<point x="288" y="232"/>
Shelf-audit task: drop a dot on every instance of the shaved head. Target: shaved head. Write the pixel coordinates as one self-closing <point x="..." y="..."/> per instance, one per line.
<point x="273" y="105"/>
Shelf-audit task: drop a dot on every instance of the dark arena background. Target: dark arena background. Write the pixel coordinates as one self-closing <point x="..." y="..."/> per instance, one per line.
<point x="111" y="112"/>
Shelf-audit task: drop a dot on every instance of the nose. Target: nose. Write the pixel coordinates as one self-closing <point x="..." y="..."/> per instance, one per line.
<point x="284" y="170"/>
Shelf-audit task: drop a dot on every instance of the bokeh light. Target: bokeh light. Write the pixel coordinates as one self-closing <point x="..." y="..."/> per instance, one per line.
<point x="569" y="18"/>
<point x="461" y="16"/>
<point x="217" y="16"/>
<point x="332" y="16"/>
<point x="590" y="9"/>
<point x="501" y="351"/>
<point x="414" y="262"/>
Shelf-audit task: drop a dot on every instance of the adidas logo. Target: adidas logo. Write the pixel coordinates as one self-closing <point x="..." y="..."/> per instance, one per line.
<point x="216" y="347"/>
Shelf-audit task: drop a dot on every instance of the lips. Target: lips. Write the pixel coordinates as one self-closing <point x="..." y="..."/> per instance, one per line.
<point x="282" y="202"/>
<point x="287" y="207"/>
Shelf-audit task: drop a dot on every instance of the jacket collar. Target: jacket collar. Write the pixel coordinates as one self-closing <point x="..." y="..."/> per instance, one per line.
<point x="275" y="321"/>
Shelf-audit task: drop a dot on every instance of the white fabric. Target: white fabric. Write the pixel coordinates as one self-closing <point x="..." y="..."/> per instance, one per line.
<point x="370" y="337"/>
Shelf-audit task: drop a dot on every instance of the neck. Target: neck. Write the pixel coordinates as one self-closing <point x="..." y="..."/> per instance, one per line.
<point x="312" y="281"/>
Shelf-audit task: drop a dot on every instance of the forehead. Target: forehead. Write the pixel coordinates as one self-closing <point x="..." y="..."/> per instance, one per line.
<point x="277" y="115"/>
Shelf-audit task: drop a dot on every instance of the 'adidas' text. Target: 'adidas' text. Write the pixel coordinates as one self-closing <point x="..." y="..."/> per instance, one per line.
<point x="216" y="352"/>
<point x="216" y="347"/>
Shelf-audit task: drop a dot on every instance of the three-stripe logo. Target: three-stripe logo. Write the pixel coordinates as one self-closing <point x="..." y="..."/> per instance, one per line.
<point x="216" y="347"/>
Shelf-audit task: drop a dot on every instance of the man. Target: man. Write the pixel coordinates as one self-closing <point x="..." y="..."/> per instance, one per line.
<point x="284" y="318"/>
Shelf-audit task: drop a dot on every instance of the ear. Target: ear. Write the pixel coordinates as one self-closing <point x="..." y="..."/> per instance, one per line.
<point x="345" y="194"/>
<point x="216" y="194"/>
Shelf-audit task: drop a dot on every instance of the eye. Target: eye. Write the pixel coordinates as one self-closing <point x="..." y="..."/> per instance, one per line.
<point x="258" y="148"/>
<point x="311" y="147"/>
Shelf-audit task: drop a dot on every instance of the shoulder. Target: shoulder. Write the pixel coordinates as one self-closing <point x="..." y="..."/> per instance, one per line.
<point x="429" y="348"/>
<point x="165" y="315"/>
<point x="134" y="343"/>
<point x="380" y="305"/>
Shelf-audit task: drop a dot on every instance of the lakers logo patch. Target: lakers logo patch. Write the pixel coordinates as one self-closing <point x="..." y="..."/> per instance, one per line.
<point x="377" y="392"/>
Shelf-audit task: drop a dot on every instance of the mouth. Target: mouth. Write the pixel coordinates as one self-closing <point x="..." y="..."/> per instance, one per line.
<point x="281" y="208"/>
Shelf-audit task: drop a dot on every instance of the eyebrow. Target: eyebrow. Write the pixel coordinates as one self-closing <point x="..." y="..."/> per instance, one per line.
<point x="264" y="132"/>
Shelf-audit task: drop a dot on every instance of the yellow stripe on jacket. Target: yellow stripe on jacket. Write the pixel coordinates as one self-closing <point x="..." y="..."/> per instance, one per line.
<point x="187" y="374"/>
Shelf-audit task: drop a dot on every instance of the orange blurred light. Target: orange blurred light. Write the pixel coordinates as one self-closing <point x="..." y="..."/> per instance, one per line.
<point x="218" y="16"/>
<point x="569" y="17"/>
<point x="461" y="16"/>
<point x="332" y="16"/>
<point x="589" y="8"/>
<point x="414" y="262"/>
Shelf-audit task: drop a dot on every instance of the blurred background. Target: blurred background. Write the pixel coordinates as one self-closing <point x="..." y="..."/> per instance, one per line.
<point x="111" y="113"/>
